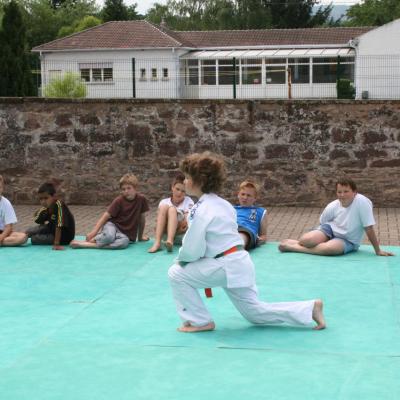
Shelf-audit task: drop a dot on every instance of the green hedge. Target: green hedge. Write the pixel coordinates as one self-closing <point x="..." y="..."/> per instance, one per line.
<point x="345" y="89"/>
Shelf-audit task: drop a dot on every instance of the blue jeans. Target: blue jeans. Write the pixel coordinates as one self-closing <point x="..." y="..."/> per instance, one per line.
<point x="348" y="247"/>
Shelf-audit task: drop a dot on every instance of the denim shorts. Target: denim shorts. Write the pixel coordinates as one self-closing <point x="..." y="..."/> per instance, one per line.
<point x="348" y="246"/>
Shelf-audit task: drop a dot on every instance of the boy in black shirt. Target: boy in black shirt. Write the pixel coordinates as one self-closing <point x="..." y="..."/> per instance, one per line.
<point x="56" y="222"/>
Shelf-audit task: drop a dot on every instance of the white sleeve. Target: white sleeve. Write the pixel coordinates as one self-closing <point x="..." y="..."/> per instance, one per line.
<point x="9" y="214"/>
<point x="366" y="213"/>
<point x="164" y="201"/>
<point x="194" y="242"/>
<point x="327" y="215"/>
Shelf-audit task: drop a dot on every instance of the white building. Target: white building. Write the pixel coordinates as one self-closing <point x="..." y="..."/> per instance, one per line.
<point x="139" y="59"/>
<point x="377" y="74"/>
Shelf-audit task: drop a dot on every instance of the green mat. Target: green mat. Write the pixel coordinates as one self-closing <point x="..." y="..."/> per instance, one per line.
<point x="92" y="324"/>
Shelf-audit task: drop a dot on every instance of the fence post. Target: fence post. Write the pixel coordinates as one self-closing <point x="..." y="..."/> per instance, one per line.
<point x="289" y="78"/>
<point x="234" y="77"/>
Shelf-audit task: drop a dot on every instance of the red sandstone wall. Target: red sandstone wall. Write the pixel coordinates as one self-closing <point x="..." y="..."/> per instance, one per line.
<point x="294" y="149"/>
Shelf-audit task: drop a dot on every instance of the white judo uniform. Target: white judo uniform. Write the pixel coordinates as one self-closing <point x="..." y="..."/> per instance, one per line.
<point x="213" y="230"/>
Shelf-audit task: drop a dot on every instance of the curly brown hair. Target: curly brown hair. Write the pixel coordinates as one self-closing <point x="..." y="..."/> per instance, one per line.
<point x="207" y="170"/>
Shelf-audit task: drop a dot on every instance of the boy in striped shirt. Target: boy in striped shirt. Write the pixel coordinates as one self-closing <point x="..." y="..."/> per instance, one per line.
<point x="56" y="224"/>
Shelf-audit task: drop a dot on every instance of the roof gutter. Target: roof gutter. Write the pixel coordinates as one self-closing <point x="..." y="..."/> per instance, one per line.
<point x="110" y="49"/>
<point x="277" y="46"/>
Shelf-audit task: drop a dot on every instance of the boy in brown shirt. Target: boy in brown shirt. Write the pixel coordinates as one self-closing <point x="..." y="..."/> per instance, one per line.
<point x="123" y="222"/>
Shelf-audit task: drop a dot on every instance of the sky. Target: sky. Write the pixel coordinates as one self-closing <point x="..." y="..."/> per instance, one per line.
<point x="144" y="5"/>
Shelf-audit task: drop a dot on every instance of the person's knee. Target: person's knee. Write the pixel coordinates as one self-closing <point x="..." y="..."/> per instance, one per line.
<point x="312" y="239"/>
<point x="123" y="243"/>
<point x="175" y="273"/>
<point x="105" y="237"/>
<point x="22" y="238"/>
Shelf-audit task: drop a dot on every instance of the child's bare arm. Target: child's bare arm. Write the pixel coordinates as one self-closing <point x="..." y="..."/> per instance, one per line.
<point x="262" y="233"/>
<point x="100" y="223"/>
<point x="369" y="230"/>
<point x="57" y="239"/>
<point x="142" y="224"/>
<point x="6" y="232"/>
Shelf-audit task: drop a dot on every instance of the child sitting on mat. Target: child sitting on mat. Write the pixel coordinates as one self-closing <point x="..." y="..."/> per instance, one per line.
<point x="56" y="224"/>
<point x="124" y="220"/>
<point x="172" y="216"/>
<point x="212" y="255"/>
<point x="342" y="226"/>
<point x="251" y="219"/>
<point x="7" y="220"/>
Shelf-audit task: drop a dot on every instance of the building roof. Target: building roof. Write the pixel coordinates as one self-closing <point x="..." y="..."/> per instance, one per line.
<point x="143" y="34"/>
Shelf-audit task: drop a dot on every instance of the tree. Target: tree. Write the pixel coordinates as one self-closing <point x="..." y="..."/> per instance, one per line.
<point x="288" y="14"/>
<point x="373" y="13"/>
<point x="85" y="23"/>
<point x="44" y="22"/>
<point x="69" y="86"/>
<point x="15" y="72"/>
<point x="239" y="14"/>
<point x="115" y="10"/>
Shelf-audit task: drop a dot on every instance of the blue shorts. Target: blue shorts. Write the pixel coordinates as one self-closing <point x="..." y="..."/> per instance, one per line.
<point x="348" y="246"/>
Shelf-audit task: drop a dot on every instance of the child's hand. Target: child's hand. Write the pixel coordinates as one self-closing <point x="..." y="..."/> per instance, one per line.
<point x="384" y="253"/>
<point x="262" y="239"/>
<point x="90" y="236"/>
<point x="58" y="247"/>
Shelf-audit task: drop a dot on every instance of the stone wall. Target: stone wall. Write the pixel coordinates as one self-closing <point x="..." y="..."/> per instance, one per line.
<point x="294" y="149"/>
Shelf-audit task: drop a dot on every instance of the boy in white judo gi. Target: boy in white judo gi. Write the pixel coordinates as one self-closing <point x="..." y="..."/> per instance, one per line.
<point x="212" y="255"/>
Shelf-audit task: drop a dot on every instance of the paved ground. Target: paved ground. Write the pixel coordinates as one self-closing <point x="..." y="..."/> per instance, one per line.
<point x="284" y="222"/>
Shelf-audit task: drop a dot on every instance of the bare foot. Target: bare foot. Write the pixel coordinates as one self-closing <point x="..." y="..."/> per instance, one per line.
<point x="187" y="328"/>
<point x="169" y="246"/>
<point x="287" y="245"/>
<point x="78" y="244"/>
<point x="75" y="244"/>
<point x="318" y="315"/>
<point x="153" y="249"/>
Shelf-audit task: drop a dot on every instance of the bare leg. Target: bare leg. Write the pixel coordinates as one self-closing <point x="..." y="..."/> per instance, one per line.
<point x="15" y="239"/>
<point x="172" y="225"/>
<point x="162" y="216"/>
<point x="187" y="328"/>
<point x="83" y="244"/>
<point x="314" y="242"/>
<point x="318" y="315"/>
<point x="332" y="247"/>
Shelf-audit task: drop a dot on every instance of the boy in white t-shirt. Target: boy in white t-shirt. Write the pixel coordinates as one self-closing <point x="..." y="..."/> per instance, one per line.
<point x="342" y="226"/>
<point x="172" y="216"/>
<point x="7" y="220"/>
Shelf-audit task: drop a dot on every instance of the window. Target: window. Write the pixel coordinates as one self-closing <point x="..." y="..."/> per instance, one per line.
<point x="275" y="74"/>
<point x="96" y="75"/>
<point x="165" y="73"/>
<point x="251" y="71"/>
<point x="226" y="72"/>
<point x="96" y="72"/>
<point x="299" y="69"/>
<point x="143" y="74"/>
<point x="192" y="74"/>
<point x="154" y="74"/>
<point x="208" y="72"/>
<point x="108" y="74"/>
<point x="325" y="70"/>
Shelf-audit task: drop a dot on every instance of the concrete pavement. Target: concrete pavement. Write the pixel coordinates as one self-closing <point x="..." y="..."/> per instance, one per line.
<point x="284" y="222"/>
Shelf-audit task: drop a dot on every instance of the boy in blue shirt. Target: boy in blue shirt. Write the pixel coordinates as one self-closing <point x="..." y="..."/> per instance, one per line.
<point x="251" y="219"/>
